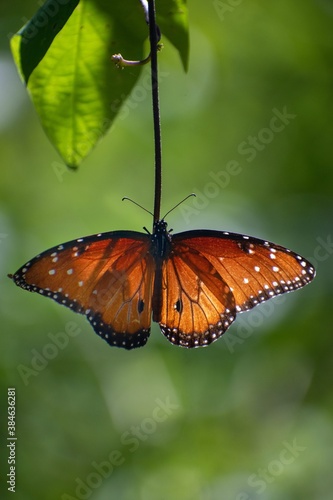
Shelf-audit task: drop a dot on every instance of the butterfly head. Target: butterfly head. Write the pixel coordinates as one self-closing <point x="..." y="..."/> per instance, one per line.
<point x="160" y="227"/>
<point x="161" y="239"/>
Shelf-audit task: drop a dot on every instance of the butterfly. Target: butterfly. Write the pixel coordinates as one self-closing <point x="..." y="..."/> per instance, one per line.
<point x="193" y="283"/>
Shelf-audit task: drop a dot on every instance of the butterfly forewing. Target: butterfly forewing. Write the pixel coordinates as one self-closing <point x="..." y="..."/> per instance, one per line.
<point x="255" y="270"/>
<point x="108" y="277"/>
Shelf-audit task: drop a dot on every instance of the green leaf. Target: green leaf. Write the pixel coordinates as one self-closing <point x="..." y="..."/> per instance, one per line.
<point x="76" y="88"/>
<point x="63" y="55"/>
<point x="172" y="18"/>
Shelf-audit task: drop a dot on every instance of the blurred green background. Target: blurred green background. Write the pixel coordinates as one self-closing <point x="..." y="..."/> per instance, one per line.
<point x="250" y="417"/>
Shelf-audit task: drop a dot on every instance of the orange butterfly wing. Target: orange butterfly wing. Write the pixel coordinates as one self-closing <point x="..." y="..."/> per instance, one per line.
<point x="197" y="304"/>
<point x="209" y="276"/>
<point x="194" y="282"/>
<point x="108" y="277"/>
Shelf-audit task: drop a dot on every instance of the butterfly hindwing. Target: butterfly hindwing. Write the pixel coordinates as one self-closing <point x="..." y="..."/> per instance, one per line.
<point x="108" y="277"/>
<point x="197" y="304"/>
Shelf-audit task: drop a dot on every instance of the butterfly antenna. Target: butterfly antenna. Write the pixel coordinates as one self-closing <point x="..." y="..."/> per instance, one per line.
<point x="138" y="205"/>
<point x="182" y="201"/>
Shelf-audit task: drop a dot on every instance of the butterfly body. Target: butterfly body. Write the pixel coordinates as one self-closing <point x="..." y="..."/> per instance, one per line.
<point x="160" y="249"/>
<point x="192" y="283"/>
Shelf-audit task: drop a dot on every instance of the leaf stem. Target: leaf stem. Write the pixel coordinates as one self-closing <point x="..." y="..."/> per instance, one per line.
<point x="154" y="39"/>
